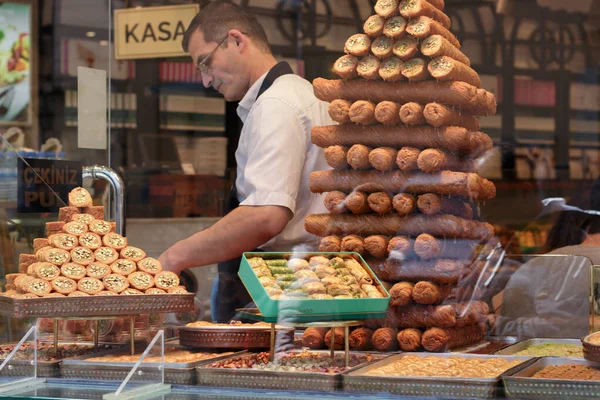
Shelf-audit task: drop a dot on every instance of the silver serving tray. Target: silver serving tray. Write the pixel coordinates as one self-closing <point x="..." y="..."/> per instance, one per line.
<point x="24" y="368"/>
<point x="522" y="345"/>
<point x="488" y="345"/>
<point x="175" y="373"/>
<point x="46" y="369"/>
<point x="96" y="306"/>
<point x="445" y="387"/>
<point x="275" y="380"/>
<point x="522" y="385"/>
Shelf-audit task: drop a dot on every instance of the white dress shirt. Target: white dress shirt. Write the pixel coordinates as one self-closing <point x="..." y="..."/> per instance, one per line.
<point x="275" y="155"/>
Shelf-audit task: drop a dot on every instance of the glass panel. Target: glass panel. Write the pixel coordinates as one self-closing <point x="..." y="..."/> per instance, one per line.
<point x="544" y="297"/>
<point x="19" y="363"/>
<point x="147" y="374"/>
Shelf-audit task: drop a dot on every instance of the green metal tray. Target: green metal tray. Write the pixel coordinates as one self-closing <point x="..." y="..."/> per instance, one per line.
<point x="307" y="310"/>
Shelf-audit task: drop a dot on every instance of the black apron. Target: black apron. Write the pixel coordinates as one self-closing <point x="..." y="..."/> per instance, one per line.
<point x="230" y="292"/>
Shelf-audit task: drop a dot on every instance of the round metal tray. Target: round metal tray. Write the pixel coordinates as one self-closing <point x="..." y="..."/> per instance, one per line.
<point x="591" y="352"/>
<point x="232" y="337"/>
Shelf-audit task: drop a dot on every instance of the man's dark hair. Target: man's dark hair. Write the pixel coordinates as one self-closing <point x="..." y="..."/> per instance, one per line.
<point x="217" y="18"/>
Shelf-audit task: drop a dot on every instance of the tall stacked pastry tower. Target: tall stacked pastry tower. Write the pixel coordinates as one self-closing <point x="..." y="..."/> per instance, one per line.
<point x="402" y="188"/>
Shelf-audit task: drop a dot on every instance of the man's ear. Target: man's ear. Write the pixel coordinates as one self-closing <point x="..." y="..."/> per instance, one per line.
<point x="241" y="40"/>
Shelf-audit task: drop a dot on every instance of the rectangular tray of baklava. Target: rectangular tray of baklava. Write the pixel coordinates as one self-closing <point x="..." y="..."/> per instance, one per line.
<point x="378" y="378"/>
<point x="96" y="306"/>
<point x="523" y="385"/>
<point x="273" y="379"/>
<point x="179" y="373"/>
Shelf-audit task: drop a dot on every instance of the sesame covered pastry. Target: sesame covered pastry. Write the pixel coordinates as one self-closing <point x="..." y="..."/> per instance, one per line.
<point x="90" y="240"/>
<point x="106" y="255"/>
<point x="83" y="218"/>
<point x="123" y="267"/>
<point x="382" y="47"/>
<point x="98" y="270"/>
<point x="177" y="290"/>
<point x="31" y="269"/>
<point x="54" y="226"/>
<point x="21" y="282"/>
<point x="63" y="285"/>
<point x="100" y="227"/>
<point x="133" y="253"/>
<point x="368" y="68"/>
<point x="82" y="255"/>
<point x="78" y="293"/>
<point x="115" y="282"/>
<point x="75" y="228"/>
<point x="114" y="240"/>
<point x="395" y="27"/>
<point x="39" y="243"/>
<point x="65" y="214"/>
<point x="166" y="280"/>
<point x="79" y="197"/>
<point x="131" y="291"/>
<point x="73" y="270"/>
<point x="150" y="265"/>
<point x="141" y="280"/>
<point x="406" y="48"/>
<point x="64" y="241"/>
<point x="40" y="254"/>
<point x="345" y="67"/>
<point x="90" y="285"/>
<point x="415" y="70"/>
<point x="373" y="26"/>
<point x="113" y="226"/>
<point x="358" y="45"/>
<point x="155" y="291"/>
<point x="56" y="256"/>
<point x="12" y="293"/>
<point x="387" y="8"/>
<point x="39" y="287"/>
<point x="46" y="271"/>
<point x="391" y="70"/>
<point x="95" y="211"/>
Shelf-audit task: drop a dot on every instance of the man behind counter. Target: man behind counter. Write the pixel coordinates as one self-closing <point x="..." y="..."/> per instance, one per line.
<point x="270" y="197"/>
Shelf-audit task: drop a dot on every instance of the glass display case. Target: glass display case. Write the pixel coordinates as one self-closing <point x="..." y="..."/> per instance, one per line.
<point x="450" y="247"/>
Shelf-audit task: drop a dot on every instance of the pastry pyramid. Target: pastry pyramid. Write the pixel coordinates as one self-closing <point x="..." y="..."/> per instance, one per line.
<point x="402" y="189"/>
<point x="83" y="256"/>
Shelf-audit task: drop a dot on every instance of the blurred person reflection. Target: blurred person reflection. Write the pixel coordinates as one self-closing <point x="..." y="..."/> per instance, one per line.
<point x="548" y="296"/>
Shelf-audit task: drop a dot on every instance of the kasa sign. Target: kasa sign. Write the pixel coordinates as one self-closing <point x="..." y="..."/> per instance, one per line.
<point x="152" y="32"/>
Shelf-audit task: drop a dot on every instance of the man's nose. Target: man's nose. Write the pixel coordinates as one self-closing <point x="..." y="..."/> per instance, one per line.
<point x="207" y="80"/>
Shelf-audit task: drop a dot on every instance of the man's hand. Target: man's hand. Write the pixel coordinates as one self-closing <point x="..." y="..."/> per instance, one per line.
<point x="243" y="229"/>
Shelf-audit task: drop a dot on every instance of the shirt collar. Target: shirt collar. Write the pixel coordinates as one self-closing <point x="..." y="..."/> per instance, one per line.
<point x="249" y="99"/>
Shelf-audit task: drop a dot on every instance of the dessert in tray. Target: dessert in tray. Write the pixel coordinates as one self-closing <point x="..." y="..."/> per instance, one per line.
<point x="552" y="350"/>
<point x="171" y="356"/>
<point x="305" y="361"/>
<point x="319" y="277"/>
<point x="455" y="367"/>
<point x="46" y="351"/>
<point x="403" y="190"/>
<point x="575" y="372"/>
<point x="83" y="256"/>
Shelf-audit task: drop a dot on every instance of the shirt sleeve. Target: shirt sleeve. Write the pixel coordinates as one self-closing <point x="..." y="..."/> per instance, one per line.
<point x="277" y="147"/>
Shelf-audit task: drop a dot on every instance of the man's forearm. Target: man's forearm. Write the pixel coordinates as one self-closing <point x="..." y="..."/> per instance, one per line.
<point x="243" y="229"/>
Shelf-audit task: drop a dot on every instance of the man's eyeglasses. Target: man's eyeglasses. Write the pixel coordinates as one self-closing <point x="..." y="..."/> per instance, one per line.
<point x="203" y="65"/>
